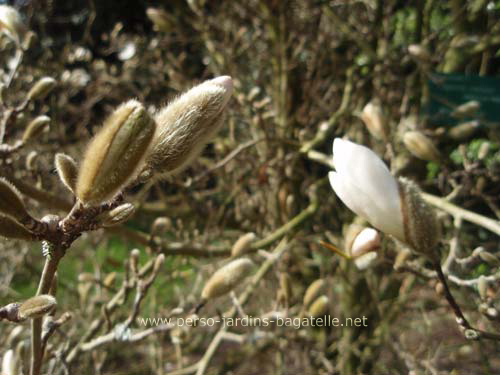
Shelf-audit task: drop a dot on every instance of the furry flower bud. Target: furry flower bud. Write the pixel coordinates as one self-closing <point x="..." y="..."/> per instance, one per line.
<point x="226" y="278"/>
<point x="319" y="307"/>
<point x="421" y="227"/>
<point x="118" y="215"/>
<point x="35" y="128"/>
<point x="313" y="292"/>
<point x="41" y="88"/>
<point x="37" y="307"/>
<point x="67" y="170"/>
<point x="116" y="153"/>
<point x="421" y="146"/>
<point x="242" y="245"/>
<point x="12" y="24"/>
<point x="374" y="120"/>
<point x="187" y="124"/>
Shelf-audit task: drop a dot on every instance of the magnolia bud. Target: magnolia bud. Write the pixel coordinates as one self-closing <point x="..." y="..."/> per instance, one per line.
<point x="118" y="215"/>
<point x="467" y="109"/>
<point x="109" y="279"/>
<point x="489" y="258"/>
<point x="419" y="52"/>
<point x="115" y="154"/>
<point x="421" y="146"/>
<point x="312" y="292"/>
<point x="482" y="287"/>
<point x="242" y="245"/>
<point x="160" y="19"/>
<point x="319" y="307"/>
<point x="464" y="130"/>
<point x="226" y="278"/>
<point x="374" y="120"/>
<point x="67" y="170"/>
<point x="160" y="225"/>
<point x="35" y="128"/>
<point x="41" y="88"/>
<point x="421" y="227"/>
<point x="367" y="240"/>
<point x="10" y="201"/>
<point x="37" y="307"/>
<point x="187" y="124"/>
<point x="365" y="261"/>
<point x="11" y="23"/>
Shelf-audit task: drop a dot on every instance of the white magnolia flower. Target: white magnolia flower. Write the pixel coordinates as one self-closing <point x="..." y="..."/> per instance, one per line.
<point x="363" y="182"/>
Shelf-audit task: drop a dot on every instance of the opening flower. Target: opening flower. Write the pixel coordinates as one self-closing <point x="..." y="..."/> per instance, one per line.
<point x="363" y="182"/>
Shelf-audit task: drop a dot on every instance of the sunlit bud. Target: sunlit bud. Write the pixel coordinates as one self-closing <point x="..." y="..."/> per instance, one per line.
<point x="115" y="154"/>
<point x="11" y="203"/>
<point x="242" y="245"/>
<point x="367" y="240"/>
<point x="489" y="258"/>
<point x="366" y="260"/>
<point x="30" y="160"/>
<point x="35" y="128"/>
<point x="118" y="215"/>
<point x="160" y="19"/>
<point x="160" y="226"/>
<point x="313" y="292"/>
<point x="374" y="120"/>
<point x="467" y="109"/>
<point x="67" y="170"/>
<point x="421" y="146"/>
<point x="41" y="88"/>
<point x="8" y="360"/>
<point x="187" y="124"/>
<point x="482" y="287"/>
<point x="319" y="307"/>
<point x="227" y="278"/>
<point x="419" y="52"/>
<point x="464" y="130"/>
<point x="37" y="307"/>
<point x="12" y="24"/>
<point x="109" y="279"/>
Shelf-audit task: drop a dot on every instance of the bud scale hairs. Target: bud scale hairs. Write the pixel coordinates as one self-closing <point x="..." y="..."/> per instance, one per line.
<point x="116" y="153"/>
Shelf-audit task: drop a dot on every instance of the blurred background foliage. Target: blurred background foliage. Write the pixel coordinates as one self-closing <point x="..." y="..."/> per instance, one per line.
<point x="303" y="71"/>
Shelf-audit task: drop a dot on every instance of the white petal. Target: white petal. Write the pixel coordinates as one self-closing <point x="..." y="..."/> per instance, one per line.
<point x="365" y="170"/>
<point x="350" y="195"/>
<point x="367" y="240"/>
